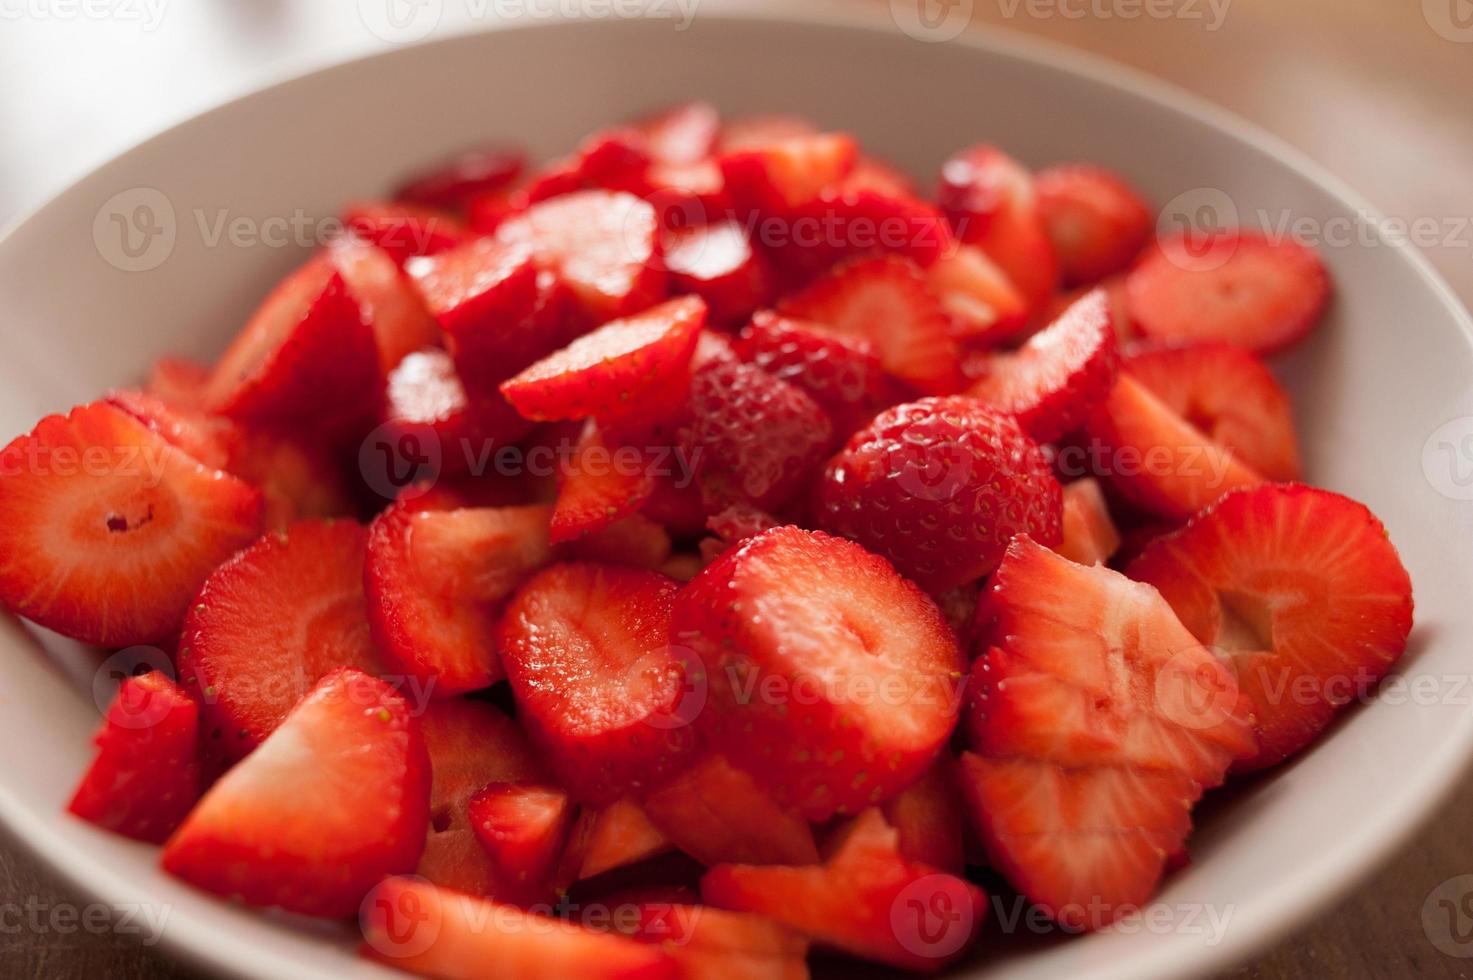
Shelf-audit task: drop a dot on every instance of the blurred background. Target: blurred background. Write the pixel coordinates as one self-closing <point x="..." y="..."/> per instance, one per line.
<point x="1376" y="91"/>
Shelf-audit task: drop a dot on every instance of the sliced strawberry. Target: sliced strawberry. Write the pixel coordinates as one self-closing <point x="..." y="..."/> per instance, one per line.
<point x="929" y="819"/>
<point x="981" y="302"/>
<point x="842" y="374"/>
<point x="435" y="582"/>
<point x="718" y="814"/>
<point x="523" y="827"/>
<point x="335" y="800"/>
<point x="206" y="438"/>
<point x="1300" y="591"/>
<point x="1230" y="396"/>
<point x="713" y="944"/>
<point x="599" y="484"/>
<point x="468" y="174"/>
<point x="306" y="358"/>
<point x="1115" y="295"/>
<point x="746" y="132"/>
<point x="299" y="479"/>
<point x="848" y="220"/>
<point x="437" y="932"/>
<point x="866" y="900"/>
<point x="797" y="631"/>
<point x="272" y="621"/>
<point x="634" y="540"/>
<point x="739" y="522"/>
<point x="1059" y="376"/>
<point x="1090" y="536"/>
<point x="107" y="530"/>
<point x="404" y="230"/>
<point x="471" y="745"/>
<point x="587" y="650"/>
<point x="1097" y="223"/>
<point x="677" y="503"/>
<point x="391" y="306"/>
<point x="939" y="487"/>
<point x="1240" y="288"/>
<point x="885" y="301"/>
<point x="992" y="203"/>
<point x="146" y="776"/>
<point x="609" y="371"/>
<point x="1158" y="459"/>
<point x="1103" y="714"/>
<point x="717" y="263"/>
<point x="604" y="246"/>
<point x="178" y="382"/>
<point x="776" y="177"/>
<point x="683" y="133"/>
<point x="621" y="834"/>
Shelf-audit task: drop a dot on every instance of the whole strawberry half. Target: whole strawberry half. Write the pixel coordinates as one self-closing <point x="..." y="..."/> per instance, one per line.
<point x="939" y="486"/>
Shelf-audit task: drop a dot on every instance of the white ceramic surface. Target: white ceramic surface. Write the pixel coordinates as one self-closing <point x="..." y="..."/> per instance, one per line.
<point x="1389" y="367"/>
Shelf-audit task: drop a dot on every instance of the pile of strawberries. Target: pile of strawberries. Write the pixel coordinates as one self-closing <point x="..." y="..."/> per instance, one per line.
<point x="983" y="555"/>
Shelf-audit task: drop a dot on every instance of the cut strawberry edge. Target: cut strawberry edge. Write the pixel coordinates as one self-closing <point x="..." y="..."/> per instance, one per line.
<point x="388" y="302"/>
<point x="1097" y="223"/>
<point x="523" y="827"/>
<point x="621" y="834"/>
<point x="1090" y="535"/>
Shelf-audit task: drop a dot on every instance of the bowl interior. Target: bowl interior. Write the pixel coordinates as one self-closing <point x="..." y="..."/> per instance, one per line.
<point x="1371" y="389"/>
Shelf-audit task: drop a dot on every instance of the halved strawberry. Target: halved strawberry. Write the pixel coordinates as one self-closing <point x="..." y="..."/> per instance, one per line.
<point x="471" y="744"/>
<point x="587" y="650"/>
<point x="306" y="358"/>
<point x="717" y="263"/>
<point x="866" y="900"/>
<point x="269" y="623"/>
<point x="1300" y="591"/>
<point x="939" y="486"/>
<point x="335" y="800"/>
<point x="146" y="776"/>
<point x="1059" y="376"/>
<point x="1097" y="223"/>
<point x="777" y="176"/>
<point x="1240" y="288"/>
<point x="718" y="814"/>
<point x="929" y="819"/>
<point x="468" y="174"/>
<point x="1230" y="396"/>
<point x="604" y="245"/>
<point x="991" y="202"/>
<point x="798" y="631"/>
<point x="598" y="484"/>
<point x="107" y="530"/>
<point x="391" y="306"/>
<point x="1158" y="459"/>
<point x="404" y="230"/>
<point x="620" y="834"/>
<point x="435" y="582"/>
<point x="523" y="827"/>
<point x="1106" y="718"/>
<point x="713" y="944"/>
<point x="634" y="540"/>
<point x="609" y="371"/>
<point x="438" y="932"/>
<point x="1090" y="536"/>
<point x="980" y="301"/>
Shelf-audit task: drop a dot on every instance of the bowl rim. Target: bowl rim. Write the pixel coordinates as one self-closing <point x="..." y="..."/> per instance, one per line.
<point x="1282" y="908"/>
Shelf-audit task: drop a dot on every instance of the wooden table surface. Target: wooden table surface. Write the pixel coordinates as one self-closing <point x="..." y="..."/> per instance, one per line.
<point x="1378" y="92"/>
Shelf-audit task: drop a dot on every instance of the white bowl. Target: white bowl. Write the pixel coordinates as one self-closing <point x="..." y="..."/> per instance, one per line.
<point x="1389" y="367"/>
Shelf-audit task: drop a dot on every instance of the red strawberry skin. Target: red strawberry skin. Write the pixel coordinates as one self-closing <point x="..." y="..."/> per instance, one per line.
<point x="718" y="263"/>
<point x="1097" y="223"/>
<point x="468" y="174"/>
<point x="483" y="294"/>
<point x="389" y="304"/>
<point x="587" y="650"/>
<point x="939" y="486"/>
<point x="1302" y="594"/>
<point x="796" y="631"/>
<point x="404" y="230"/>
<point x="321" y="812"/>
<point x="107" y="530"/>
<point x="598" y="485"/>
<point x="146" y="776"/>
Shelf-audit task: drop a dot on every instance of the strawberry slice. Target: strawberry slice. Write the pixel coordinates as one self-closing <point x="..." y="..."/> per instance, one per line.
<point x="604" y="245"/>
<point x="468" y="174"/>
<point x="718" y="814"/>
<point x="1158" y="459"/>
<point x="885" y="301"/>
<point x="435" y="581"/>
<point x="270" y="623"/>
<point x="335" y="800"/>
<point x="393" y="309"/>
<point x="1097" y="223"/>
<point x="992" y="203"/>
<point x="777" y="177"/>
<point x="929" y="819"/>
<point x="523" y="827"/>
<point x="1107" y="718"/>
<point x="683" y="133"/>
<point x="404" y="230"/>
<point x="1090" y="535"/>
<point x="1240" y="288"/>
<point x="815" y="621"/>
<point x="305" y="359"/>
<point x="851" y="219"/>
<point x="713" y="944"/>
<point x="598" y="485"/>
<point x="866" y="900"/>
<point x="1229" y="395"/>
<point x="1059" y="376"/>
<point x="471" y="744"/>
<point x="207" y="438"/>
<point x="146" y="776"/>
<point x="981" y="302"/>
<point x="746" y="132"/>
<point x="609" y="371"/>
<point x="587" y="650"/>
<point x="1300" y="591"/>
<point x="620" y="834"/>
<point x="939" y="486"/>
<point x="107" y="530"/>
<point x="717" y="263"/>
<point x="437" y="932"/>
<point x="634" y="540"/>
